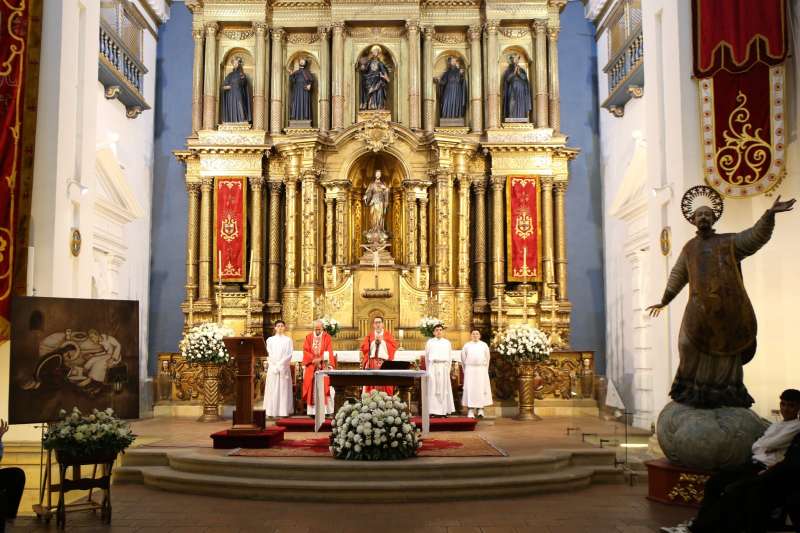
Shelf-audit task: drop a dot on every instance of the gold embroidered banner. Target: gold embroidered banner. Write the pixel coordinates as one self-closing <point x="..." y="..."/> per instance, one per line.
<point x="523" y="228"/>
<point x="230" y="229"/>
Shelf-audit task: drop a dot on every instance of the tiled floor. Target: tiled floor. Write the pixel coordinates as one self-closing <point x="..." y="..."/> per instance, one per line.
<point x="597" y="509"/>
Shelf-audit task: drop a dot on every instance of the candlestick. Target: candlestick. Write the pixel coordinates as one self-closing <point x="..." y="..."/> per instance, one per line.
<point x="191" y="308"/>
<point x="219" y="266"/>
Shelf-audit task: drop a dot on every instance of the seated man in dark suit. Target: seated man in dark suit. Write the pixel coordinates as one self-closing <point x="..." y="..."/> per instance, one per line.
<point x="724" y="506"/>
<point x="12" y="483"/>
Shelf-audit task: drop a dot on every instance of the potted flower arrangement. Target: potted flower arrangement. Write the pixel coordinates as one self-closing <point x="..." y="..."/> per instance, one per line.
<point x="376" y="428"/>
<point x="427" y="325"/>
<point x="88" y="439"/>
<point x="523" y="346"/>
<point x="330" y="325"/>
<point x="203" y="345"/>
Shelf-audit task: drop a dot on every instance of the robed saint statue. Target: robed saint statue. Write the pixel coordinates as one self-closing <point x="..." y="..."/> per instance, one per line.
<point x="376" y="201"/>
<point x="452" y="90"/>
<point x="374" y="80"/>
<point x="718" y="331"/>
<point x="301" y="82"/>
<point x="516" y="91"/>
<point x="236" y="95"/>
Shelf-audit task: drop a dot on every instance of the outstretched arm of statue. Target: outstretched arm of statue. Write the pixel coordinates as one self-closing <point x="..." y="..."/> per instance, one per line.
<point x="678" y="278"/>
<point x="749" y="241"/>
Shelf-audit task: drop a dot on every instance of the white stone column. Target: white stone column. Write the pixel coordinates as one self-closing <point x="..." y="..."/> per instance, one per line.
<point x="337" y="75"/>
<point x="276" y="92"/>
<point x="540" y="46"/>
<point x="475" y="79"/>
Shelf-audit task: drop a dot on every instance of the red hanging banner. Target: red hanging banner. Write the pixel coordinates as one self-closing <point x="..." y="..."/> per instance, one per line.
<point x="14" y="26"/>
<point x="524" y="231"/>
<point x="739" y="49"/>
<point x="230" y="229"/>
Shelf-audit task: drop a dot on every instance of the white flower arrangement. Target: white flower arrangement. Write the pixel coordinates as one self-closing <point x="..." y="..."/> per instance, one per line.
<point x="203" y="344"/>
<point x="377" y="428"/>
<point x="428" y="323"/>
<point x="330" y="325"/>
<point x="522" y="342"/>
<point x="78" y="434"/>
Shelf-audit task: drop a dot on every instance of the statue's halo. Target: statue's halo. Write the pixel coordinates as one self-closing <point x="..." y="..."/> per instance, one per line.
<point x="700" y="196"/>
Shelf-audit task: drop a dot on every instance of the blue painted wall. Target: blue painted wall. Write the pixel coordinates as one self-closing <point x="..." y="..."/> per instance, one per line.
<point x="577" y="57"/>
<point x="173" y="123"/>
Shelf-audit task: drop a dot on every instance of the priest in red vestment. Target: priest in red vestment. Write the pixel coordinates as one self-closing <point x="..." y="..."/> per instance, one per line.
<point x="317" y="355"/>
<point x="378" y="346"/>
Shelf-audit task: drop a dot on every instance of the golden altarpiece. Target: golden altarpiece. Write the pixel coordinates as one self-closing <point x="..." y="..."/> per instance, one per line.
<point x="303" y="207"/>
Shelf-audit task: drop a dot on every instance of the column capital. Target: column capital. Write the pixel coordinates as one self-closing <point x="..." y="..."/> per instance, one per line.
<point x="275" y="186"/>
<point x="539" y="26"/>
<point x="260" y="28"/>
<point x="323" y="32"/>
<point x="547" y="181"/>
<point x="479" y="184"/>
<point x="429" y="32"/>
<point x="197" y="33"/>
<point x="474" y="32"/>
<point x="256" y="182"/>
<point x="561" y="186"/>
<point x="412" y="26"/>
<point x="192" y="187"/>
<point x="498" y="182"/>
<point x="491" y="26"/>
<point x="338" y="26"/>
<point x="278" y="34"/>
<point x="309" y="175"/>
<point x="211" y="28"/>
<point x="552" y="32"/>
<point x="206" y="183"/>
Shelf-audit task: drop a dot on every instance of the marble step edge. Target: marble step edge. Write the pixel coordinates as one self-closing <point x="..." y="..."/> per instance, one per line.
<point x="570" y="478"/>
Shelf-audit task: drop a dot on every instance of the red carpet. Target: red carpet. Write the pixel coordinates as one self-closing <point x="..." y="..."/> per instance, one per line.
<point x="265" y="438"/>
<point x="455" y="423"/>
<point x="453" y="446"/>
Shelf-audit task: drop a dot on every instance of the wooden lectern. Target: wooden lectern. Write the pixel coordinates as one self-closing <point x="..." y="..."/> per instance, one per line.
<point x="244" y="350"/>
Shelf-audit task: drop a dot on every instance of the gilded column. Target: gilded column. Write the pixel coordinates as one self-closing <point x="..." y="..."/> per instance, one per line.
<point x="555" y="98"/>
<point x="494" y="80"/>
<point x="323" y="82"/>
<point x="475" y="79"/>
<point x="256" y="238"/>
<point x="276" y="91"/>
<point x="423" y="227"/>
<point x="337" y="76"/>
<point x="197" y="81"/>
<point x="444" y="187"/>
<point x="210" y="78"/>
<point x="329" y="228"/>
<point x="274" y="240"/>
<point x="258" y="82"/>
<point x="193" y="191"/>
<point x="540" y="46"/>
<point x="429" y="114"/>
<point x="309" y="224"/>
<point x="412" y="35"/>
<point x="206" y="201"/>
<point x="463" y="231"/>
<point x="291" y="234"/>
<point x="561" y="240"/>
<point x="547" y="235"/>
<point x="479" y="185"/>
<point x="498" y="227"/>
<point x="342" y="233"/>
<point x="411" y="226"/>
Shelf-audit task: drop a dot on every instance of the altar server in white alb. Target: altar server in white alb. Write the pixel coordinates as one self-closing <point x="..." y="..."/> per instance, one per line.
<point x="278" y="397"/>
<point x="437" y="363"/>
<point x="477" y="387"/>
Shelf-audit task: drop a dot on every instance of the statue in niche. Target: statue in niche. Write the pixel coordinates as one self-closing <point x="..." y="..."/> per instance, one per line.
<point x="236" y="95"/>
<point x="452" y="90"/>
<point x="374" y="80"/>
<point x="301" y="81"/>
<point x="376" y="200"/>
<point x="516" y="92"/>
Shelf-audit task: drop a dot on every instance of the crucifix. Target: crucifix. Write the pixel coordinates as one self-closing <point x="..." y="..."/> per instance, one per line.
<point x="375" y="249"/>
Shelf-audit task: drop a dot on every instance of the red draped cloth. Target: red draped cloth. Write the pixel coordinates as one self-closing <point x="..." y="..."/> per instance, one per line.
<point x="326" y="345"/>
<point x="373" y="363"/>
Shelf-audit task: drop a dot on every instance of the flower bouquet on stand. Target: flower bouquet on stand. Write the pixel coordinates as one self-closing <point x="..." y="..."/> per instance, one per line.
<point x="428" y="323"/>
<point x="376" y="428"/>
<point x="523" y="346"/>
<point x="203" y="345"/>
<point x="330" y="325"/>
<point x="97" y="437"/>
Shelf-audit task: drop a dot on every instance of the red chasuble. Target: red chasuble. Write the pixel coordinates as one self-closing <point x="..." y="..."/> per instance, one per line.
<point x="326" y="345"/>
<point x="368" y="363"/>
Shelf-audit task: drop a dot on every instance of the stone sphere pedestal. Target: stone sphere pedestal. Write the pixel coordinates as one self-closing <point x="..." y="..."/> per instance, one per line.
<point x="708" y="439"/>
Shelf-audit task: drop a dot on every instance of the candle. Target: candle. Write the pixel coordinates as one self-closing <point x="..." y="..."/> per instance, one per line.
<point x="401" y="333"/>
<point x="525" y="263"/>
<point x="250" y="277"/>
<point x="219" y="265"/>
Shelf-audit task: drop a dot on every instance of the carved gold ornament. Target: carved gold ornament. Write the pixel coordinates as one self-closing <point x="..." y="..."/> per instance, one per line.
<point x="523" y="225"/>
<point x="230" y="229"/>
<point x="690" y="488"/>
<point x="376" y="131"/>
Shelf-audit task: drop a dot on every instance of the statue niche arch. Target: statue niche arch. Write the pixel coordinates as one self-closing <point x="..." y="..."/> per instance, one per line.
<point x="363" y="66"/>
<point x="228" y="64"/>
<point x="312" y="65"/>
<point x="525" y="65"/>
<point x="440" y="65"/>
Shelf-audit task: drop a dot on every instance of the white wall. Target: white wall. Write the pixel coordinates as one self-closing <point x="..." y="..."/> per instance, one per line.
<point x="667" y="115"/>
<point x="74" y="123"/>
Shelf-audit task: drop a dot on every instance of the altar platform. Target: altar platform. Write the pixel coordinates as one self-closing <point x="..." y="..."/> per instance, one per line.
<point x="500" y="458"/>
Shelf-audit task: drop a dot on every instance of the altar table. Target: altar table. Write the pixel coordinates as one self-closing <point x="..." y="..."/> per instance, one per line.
<point x="342" y="378"/>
